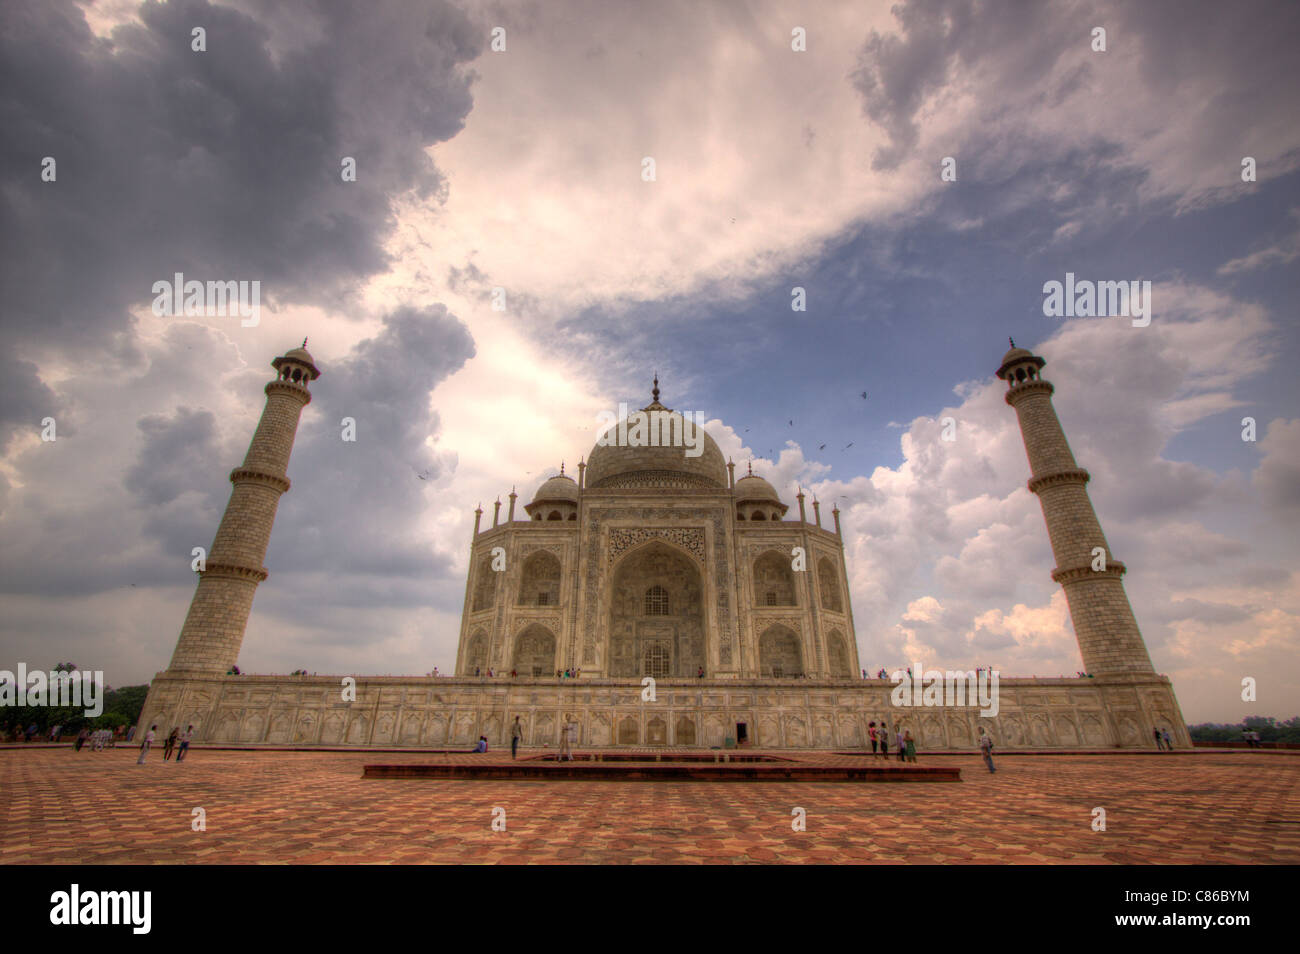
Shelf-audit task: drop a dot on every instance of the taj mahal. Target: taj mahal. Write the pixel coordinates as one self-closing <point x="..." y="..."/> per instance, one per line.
<point x="656" y="565"/>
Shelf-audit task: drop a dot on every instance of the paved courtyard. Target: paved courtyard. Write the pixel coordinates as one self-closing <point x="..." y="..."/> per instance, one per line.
<point x="59" y="806"/>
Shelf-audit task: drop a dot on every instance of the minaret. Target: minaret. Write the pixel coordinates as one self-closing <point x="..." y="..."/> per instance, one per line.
<point x="214" y="627"/>
<point x="1108" y="635"/>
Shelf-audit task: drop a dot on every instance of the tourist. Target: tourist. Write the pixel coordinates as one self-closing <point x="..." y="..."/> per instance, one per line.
<point x="884" y="741"/>
<point x="900" y="743"/>
<point x="910" y="744"/>
<point x="144" y="746"/>
<point x="481" y="746"/>
<point x="435" y="672"/>
<point x="81" y="739"/>
<point x="1169" y="741"/>
<point x="185" y="743"/>
<point x="169" y="746"/>
<point x="986" y="749"/>
<point x="516" y="733"/>
<point x="871" y="731"/>
<point x="1156" y="733"/>
<point x="700" y="674"/>
<point x="568" y="735"/>
<point x="130" y="734"/>
<point x="514" y="673"/>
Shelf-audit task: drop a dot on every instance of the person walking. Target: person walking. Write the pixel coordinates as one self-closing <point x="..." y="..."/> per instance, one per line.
<point x="884" y="741"/>
<point x="169" y="745"/>
<point x="910" y="744"/>
<point x="875" y="743"/>
<point x="900" y="743"/>
<point x="516" y="733"/>
<point x="1156" y="733"/>
<point x="148" y="741"/>
<point x="1169" y="741"/>
<point x="986" y="749"/>
<point x="568" y="735"/>
<point x="185" y="743"/>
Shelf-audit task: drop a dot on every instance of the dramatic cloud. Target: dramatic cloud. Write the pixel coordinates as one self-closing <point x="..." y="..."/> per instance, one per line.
<point x="224" y="164"/>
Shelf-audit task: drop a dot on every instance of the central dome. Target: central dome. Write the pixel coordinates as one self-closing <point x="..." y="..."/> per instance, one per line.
<point x="654" y="451"/>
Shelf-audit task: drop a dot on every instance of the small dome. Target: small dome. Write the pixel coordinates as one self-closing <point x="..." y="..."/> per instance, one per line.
<point x="299" y="356"/>
<point x="557" y="488"/>
<point x="1017" y="356"/>
<point x="755" y="488"/>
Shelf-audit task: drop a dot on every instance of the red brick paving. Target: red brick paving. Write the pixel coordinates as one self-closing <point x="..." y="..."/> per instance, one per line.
<point x="59" y="806"/>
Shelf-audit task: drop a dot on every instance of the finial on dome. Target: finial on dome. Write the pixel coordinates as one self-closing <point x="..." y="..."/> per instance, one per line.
<point x="1011" y="340"/>
<point x="655" y="393"/>
<point x="750" y="465"/>
<point x="561" y="468"/>
<point x="304" y="342"/>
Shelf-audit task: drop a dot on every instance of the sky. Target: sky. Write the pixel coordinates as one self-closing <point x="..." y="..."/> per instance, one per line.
<point x="794" y="146"/>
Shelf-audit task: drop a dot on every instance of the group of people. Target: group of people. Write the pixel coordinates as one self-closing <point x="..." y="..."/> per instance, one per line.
<point x="176" y="738"/>
<point x="1252" y="739"/>
<point x="1164" y="741"/>
<point x="903" y="742"/>
<point x="568" y="736"/>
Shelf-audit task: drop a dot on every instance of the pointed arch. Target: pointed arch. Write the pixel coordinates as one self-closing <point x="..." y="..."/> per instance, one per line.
<point x="476" y="653"/>
<point x="779" y="653"/>
<point x="534" y="651"/>
<point x="539" y="580"/>
<point x="485" y="586"/>
<point x="774" y="580"/>
<point x="828" y="585"/>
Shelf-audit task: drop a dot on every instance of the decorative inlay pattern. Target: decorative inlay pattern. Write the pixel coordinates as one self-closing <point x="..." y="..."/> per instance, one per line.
<point x="690" y="539"/>
<point x="524" y="620"/>
<point x="653" y="479"/>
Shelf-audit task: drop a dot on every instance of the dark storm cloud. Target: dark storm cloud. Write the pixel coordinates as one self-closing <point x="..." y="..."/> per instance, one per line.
<point x="176" y="456"/>
<point x="25" y="400"/>
<point x="352" y="502"/>
<point x="222" y="164"/>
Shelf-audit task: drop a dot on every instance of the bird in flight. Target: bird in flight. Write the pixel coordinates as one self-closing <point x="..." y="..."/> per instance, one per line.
<point x="848" y="445"/>
<point x="821" y="446"/>
<point x="864" y="395"/>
